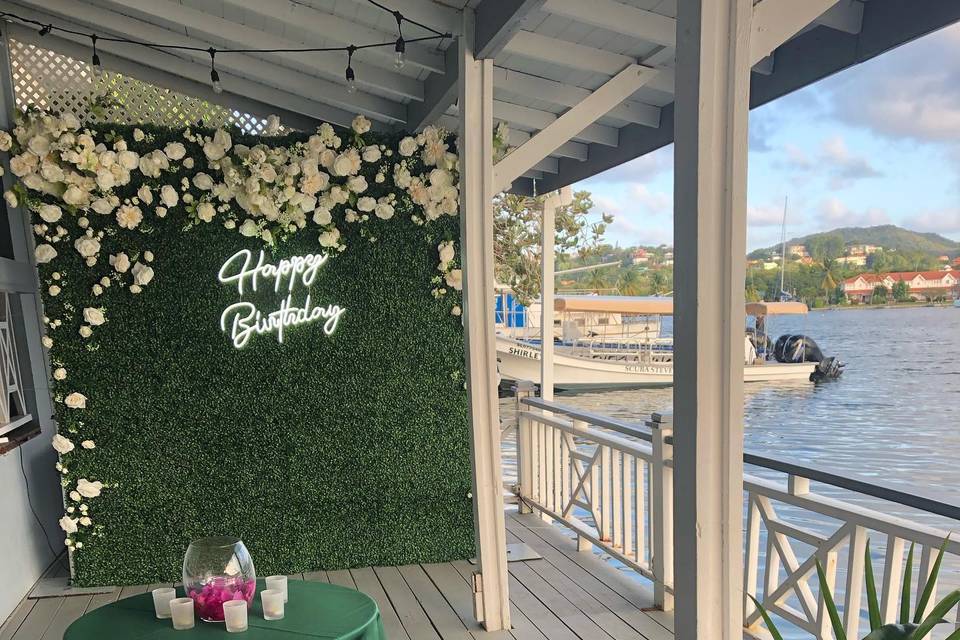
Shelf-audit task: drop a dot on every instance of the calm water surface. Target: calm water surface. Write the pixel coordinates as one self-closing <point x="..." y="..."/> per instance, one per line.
<point x="893" y="419"/>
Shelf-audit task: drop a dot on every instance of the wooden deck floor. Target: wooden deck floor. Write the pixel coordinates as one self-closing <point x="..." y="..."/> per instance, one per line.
<point x="567" y="595"/>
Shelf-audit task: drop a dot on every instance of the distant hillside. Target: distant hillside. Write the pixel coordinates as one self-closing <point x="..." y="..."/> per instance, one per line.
<point x="888" y="236"/>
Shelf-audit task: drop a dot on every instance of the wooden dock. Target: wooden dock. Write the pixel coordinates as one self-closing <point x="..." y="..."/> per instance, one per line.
<point x="566" y="595"/>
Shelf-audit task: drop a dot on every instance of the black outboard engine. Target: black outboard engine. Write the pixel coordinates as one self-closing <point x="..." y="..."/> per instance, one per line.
<point x="800" y="348"/>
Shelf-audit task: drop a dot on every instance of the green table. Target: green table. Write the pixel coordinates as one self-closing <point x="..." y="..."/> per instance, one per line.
<point x="313" y="610"/>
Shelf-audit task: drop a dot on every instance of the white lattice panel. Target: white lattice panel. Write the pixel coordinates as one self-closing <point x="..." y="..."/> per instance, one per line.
<point x="57" y="82"/>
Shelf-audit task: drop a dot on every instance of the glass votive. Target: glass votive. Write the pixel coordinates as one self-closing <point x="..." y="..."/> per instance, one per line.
<point x="181" y="610"/>
<point x="235" y="615"/>
<point x="272" y="601"/>
<point x="161" y="601"/>
<point x="278" y="583"/>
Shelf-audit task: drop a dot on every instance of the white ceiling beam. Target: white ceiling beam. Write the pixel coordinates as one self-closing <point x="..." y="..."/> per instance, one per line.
<point x="618" y="18"/>
<point x="328" y="26"/>
<point x="497" y="21"/>
<point x="573" y="150"/>
<point x="547" y="165"/>
<point x="569" y="124"/>
<point x="434" y="14"/>
<point x="201" y="26"/>
<point x="439" y="92"/>
<point x="846" y="16"/>
<point x="538" y="88"/>
<point x="310" y="87"/>
<point x="533" y="175"/>
<point x="776" y="21"/>
<point x="765" y="66"/>
<point x="536" y="119"/>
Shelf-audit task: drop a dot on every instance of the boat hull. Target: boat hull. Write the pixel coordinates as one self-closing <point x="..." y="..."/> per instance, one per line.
<point x="521" y="361"/>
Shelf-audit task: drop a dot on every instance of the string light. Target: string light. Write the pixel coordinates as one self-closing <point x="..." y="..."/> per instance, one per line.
<point x="97" y="67"/>
<point x="349" y="74"/>
<point x="399" y="45"/>
<point x="214" y="76"/>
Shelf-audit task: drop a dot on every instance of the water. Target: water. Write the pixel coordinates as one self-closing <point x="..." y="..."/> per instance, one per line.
<point x="892" y="419"/>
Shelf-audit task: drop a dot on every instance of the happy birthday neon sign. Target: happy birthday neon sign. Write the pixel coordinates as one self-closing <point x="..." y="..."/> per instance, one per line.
<point x="243" y="320"/>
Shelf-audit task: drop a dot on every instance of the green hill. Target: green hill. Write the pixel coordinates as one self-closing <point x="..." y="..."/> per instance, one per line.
<point x="888" y="236"/>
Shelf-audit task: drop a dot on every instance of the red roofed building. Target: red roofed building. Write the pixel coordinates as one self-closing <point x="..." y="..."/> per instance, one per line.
<point x="922" y="285"/>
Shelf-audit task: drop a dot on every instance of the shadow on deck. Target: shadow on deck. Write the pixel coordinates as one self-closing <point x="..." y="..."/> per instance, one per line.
<point x="566" y="595"/>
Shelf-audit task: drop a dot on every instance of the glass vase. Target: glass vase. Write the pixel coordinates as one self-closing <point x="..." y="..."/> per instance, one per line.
<point x="217" y="570"/>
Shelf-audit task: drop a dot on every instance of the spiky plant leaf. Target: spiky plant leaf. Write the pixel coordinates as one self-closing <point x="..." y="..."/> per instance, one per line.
<point x="892" y="632"/>
<point x="873" y="603"/>
<point x="772" y="628"/>
<point x="930" y="584"/>
<point x="905" y="590"/>
<point x="829" y="604"/>
<point x="936" y="616"/>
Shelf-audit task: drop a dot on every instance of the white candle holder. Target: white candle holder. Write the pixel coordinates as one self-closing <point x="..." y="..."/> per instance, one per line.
<point x="272" y="601"/>
<point x="161" y="601"/>
<point x="235" y="615"/>
<point x="181" y="610"/>
<point x="278" y="583"/>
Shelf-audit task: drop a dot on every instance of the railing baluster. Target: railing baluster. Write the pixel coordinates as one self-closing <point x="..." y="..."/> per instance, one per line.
<point x="627" y="464"/>
<point x="752" y="556"/>
<point x="854" y="590"/>
<point x="549" y="479"/>
<point x="927" y="557"/>
<point x="606" y="505"/>
<point x="559" y="471"/>
<point x="616" y="498"/>
<point x="823" y="619"/>
<point x="640" y="521"/>
<point x="892" y="576"/>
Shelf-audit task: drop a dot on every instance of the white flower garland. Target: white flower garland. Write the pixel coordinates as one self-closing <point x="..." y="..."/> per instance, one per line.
<point x="280" y="190"/>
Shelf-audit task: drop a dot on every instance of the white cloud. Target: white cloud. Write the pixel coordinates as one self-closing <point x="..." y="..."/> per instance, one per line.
<point x="653" y="201"/>
<point x="835" y="213"/>
<point x="845" y="167"/>
<point x="642" y="169"/>
<point x="766" y="215"/>
<point x="943" y="221"/>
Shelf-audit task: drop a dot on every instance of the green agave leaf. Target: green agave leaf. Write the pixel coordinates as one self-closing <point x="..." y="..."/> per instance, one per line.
<point x="892" y="632"/>
<point x="936" y="616"/>
<point x="772" y="628"/>
<point x="931" y="583"/>
<point x="905" y="590"/>
<point x="873" y="603"/>
<point x="829" y="604"/>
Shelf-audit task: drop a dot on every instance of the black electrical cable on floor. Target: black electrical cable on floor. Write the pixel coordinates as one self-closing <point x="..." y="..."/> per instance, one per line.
<point x="26" y="484"/>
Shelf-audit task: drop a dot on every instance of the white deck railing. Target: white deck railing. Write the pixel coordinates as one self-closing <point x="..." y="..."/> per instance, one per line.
<point x="611" y="482"/>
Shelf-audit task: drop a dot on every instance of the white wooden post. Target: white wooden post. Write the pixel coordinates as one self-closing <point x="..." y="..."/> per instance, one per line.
<point x="491" y="600"/>
<point x="661" y="510"/>
<point x="710" y="179"/>
<point x="548" y="227"/>
<point x="525" y="470"/>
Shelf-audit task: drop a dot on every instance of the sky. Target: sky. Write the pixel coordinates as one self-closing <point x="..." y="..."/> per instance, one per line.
<point x="878" y="143"/>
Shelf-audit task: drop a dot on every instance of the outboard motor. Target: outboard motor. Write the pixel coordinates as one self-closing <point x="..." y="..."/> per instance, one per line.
<point x="800" y="348"/>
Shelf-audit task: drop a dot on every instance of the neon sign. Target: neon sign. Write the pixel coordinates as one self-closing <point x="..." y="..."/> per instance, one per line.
<point x="243" y="320"/>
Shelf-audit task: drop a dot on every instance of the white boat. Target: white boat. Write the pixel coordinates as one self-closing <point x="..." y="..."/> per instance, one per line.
<point x="609" y="360"/>
<point x="956" y="303"/>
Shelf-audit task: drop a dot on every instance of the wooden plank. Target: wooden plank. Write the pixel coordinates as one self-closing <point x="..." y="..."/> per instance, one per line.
<point x="9" y="628"/>
<point x="294" y="576"/>
<point x="72" y="608"/>
<point x="411" y="614"/>
<point x="455" y="590"/>
<point x="132" y="590"/>
<point x="443" y="617"/>
<point x="342" y="578"/>
<point x="315" y="576"/>
<point x="557" y="602"/>
<point x="40" y="618"/>
<point x="523" y="628"/>
<point x="102" y="599"/>
<point x="546" y="621"/>
<point x="368" y="583"/>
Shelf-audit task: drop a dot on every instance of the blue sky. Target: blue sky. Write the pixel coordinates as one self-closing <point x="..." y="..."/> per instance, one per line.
<point x="878" y="143"/>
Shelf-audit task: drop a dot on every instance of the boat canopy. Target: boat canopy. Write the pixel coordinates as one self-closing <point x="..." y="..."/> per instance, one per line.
<point x="629" y="305"/>
<point x="759" y="309"/>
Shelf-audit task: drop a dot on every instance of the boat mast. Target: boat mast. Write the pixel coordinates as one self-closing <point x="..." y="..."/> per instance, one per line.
<point x="783" y="248"/>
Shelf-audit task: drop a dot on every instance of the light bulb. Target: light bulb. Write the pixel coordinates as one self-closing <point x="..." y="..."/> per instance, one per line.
<point x="399" y="61"/>
<point x="215" y="81"/>
<point x="400" y="48"/>
<point x="351" y="80"/>
<point x="97" y="67"/>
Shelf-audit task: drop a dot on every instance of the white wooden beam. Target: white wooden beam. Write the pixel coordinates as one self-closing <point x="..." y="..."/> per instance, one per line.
<point x="575" y="56"/>
<point x="204" y="26"/>
<point x="439" y="92"/>
<point x="776" y="21"/>
<point x="476" y="231"/>
<point x="440" y="16"/>
<point x="846" y="16"/>
<point x="329" y="26"/>
<point x="710" y="168"/>
<point x="618" y="18"/>
<point x="498" y="21"/>
<point x="573" y="150"/>
<point x="524" y="84"/>
<point x="306" y="87"/>
<point x="570" y="124"/>
<point x="536" y="119"/>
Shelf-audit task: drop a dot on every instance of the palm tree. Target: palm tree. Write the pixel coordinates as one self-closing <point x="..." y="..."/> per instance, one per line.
<point x="630" y="283"/>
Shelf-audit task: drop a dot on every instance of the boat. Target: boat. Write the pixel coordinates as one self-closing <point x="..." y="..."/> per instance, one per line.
<point x="621" y="351"/>
<point x="956" y="303"/>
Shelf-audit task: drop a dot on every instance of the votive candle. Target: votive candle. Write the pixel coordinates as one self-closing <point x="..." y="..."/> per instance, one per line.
<point x="272" y="601"/>
<point x="235" y="615"/>
<point x="181" y="610"/>
<point x="278" y="583"/>
<point x="161" y="601"/>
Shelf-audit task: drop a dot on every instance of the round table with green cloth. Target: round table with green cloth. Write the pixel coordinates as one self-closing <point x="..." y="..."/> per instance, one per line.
<point x="313" y="610"/>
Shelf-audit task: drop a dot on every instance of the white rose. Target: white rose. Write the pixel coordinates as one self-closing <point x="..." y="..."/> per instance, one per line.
<point x="455" y="279"/>
<point x="6" y="141"/>
<point x="456" y="310"/>
<point x="330" y="238"/>
<point x="175" y="150"/>
<point x="321" y="216"/>
<point x="169" y="196"/>
<point x="86" y="522"/>
<point x="273" y="125"/>
<point x="206" y="211"/>
<point x="89" y="489"/>
<point x="408" y="146"/>
<point x="327" y="156"/>
<point x="106" y="180"/>
<point x="86" y="246"/>
<point x="343" y="165"/>
<point x="103" y="206"/>
<point x="47" y="342"/>
<point x="93" y="316"/>
<point x="120" y="262"/>
<point x="222" y="138"/>
<point x="142" y="274"/>
<point x="148" y="256"/>
<point x="129" y="160"/>
<point x="135" y="288"/>
<point x="76" y="400"/>
<point x="366" y="204"/>
<point x="88" y="444"/>
<point x="85" y="331"/>
<point x="76" y="497"/>
<point x="68" y="524"/>
<point x="357" y="184"/>
<point x="44" y="253"/>
<point x="60" y="374"/>
<point x="145" y="195"/>
<point x="441" y="178"/>
<point x="161" y="212"/>
<point x="11" y="198"/>
<point x="39" y="145"/>
<point x="138" y="135"/>
<point x="203" y="182"/>
<point x="249" y="228"/>
<point x="61" y="444"/>
<point x="129" y="216"/>
<point x="75" y="196"/>
<point x="54" y="290"/>
<point x="360" y="124"/>
<point x="188" y="163"/>
<point x="97" y="290"/>
<point x="384" y="211"/>
<point x="50" y="213"/>
<point x="446" y="251"/>
<point x="371" y="153"/>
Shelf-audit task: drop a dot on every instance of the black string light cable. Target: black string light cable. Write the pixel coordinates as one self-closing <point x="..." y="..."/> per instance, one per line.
<point x="399" y="45"/>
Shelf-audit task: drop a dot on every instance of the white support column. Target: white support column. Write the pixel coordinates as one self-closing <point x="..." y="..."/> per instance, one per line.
<point x="548" y="226"/>
<point x="710" y="179"/>
<point x="491" y="600"/>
